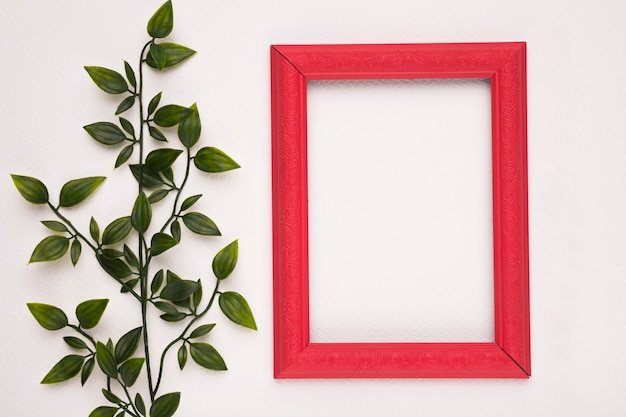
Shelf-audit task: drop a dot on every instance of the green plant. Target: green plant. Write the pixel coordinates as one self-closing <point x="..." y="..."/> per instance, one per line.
<point x="178" y="300"/>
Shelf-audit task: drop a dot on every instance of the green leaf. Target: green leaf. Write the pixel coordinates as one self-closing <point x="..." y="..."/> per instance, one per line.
<point x="127" y="126"/>
<point x="201" y="224"/>
<point x="236" y="308"/>
<point x="48" y="316"/>
<point x="158" y="195"/>
<point x="127" y="345"/>
<point x="66" y="368"/>
<point x="142" y="213"/>
<point x="162" y="21"/>
<point x="171" y="115"/>
<point x="75" y="251"/>
<point x="161" y="159"/>
<point x="76" y="191"/>
<point x="168" y="174"/>
<point x="158" y="56"/>
<point x="115" y="267"/>
<point x="106" y="133"/>
<point x="211" y="159"/>
<point x="50" y="249"/>
<point x="154" y="102"/>
<point x="124" y="155"/>
<point x="112" y="253"/>
<point x="126" y="104"/>
<point x="75" y="342"/>
<point x="111" y="397"/>
<point x="130" y="257"/>
<point x="89" y="312"/>
<point x="166" y="307"/>
<point x="108" y="80"/>
<point x="174" y="54"/>
<point x="106" y="360"/>
<point x="129" y="285"/>
<point x="55" y="225"/>
<point x="130" y="74"/>
<point x="150" y="179"/>
<point x="173" y="317"/>
<point x="104" y="411"/>
<point x="207" y="356"/>
<point x="201" y="330"/>
<point x="33" y="190"/>
<point x="225" y="260"/>
<point x="179" y="290"/>
<point x="157" y="134"/>
<point x="94" y="229"/>
<point x="190" y="201"/>
<point x="175" y="229"/>
<point x="140" y="404"/>
<point x="87" y="370"/>
<point x="197" y="296"/>
<point x="157" y="281"/>
<point x="189" y="129"/>
<point x="182" y="356"/>
<point x="161" y="242"/>
<point x="116" y="231"/>
<point x="130" y="370"/>
<point x="166" y="405"/>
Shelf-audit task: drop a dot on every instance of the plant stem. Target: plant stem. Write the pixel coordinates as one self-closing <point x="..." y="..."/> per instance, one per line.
<point x="82" y="332"/>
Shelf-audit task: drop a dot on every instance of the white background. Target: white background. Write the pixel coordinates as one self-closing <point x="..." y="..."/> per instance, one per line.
<point x="577" y="175"/>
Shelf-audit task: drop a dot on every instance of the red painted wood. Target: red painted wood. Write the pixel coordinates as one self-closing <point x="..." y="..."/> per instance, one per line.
<point x="295" y="357"/>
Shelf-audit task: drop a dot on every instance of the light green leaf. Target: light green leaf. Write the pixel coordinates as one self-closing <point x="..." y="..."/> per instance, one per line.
<point x="104" y="411"/>
<point x="157" y="53"/>
<point x="108" y="80"/>
<point x="117" y="230"/>
<point x="142" y="213"/>
<point x="178" y="290"/>
<point x="201" y="224"/>
<point x="55" y="225"/>
<point x="106" y="360"/>
<point x="75" y="251"/>
<point x="89" y="312"/>
<point x="171" y="115"/>
<point x="50" y="249"/>
<point x="66" y="368"/>
<point x="127" y="345"/>
<point x="162" y="21"/>
<point x="207" y="356"/>
<point x="48" y="316"/>
<point x="190" y="128"/>
<point x="106" y="133"/>
<point x="225" y="260"/>
<point x="76" y="191"/>
<point x="201" y="330"/>
<point x="211" y="159"/>
<point x="161" y="242"/>
<point x="126" y="104"/>
<point x="174" y="54"/>
<point x="236" y="308"/>
<point x="33" y="190"/>
<point x="161" y="159"/>
<point x="130" y="370"/>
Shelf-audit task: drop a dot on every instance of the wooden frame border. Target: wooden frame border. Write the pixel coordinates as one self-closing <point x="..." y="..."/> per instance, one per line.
<point x="294" y="355"/>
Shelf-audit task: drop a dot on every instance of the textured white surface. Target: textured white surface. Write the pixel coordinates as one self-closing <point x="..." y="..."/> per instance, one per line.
<point x="577" y="150"/>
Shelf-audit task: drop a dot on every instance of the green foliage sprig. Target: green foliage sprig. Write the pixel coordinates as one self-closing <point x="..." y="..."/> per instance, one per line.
<point x="177" y="299"/>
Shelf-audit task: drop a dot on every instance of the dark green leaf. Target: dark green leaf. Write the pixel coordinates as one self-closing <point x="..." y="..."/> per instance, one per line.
<point x="172" y="277"/>
<point x="158" y="195"/>
<point x="226" y="259"/>
<point x="182" y="356"/>
<point x="173" y="317"/>
<point x="166" y="307"/>
<point x="157" y="134"/>
<point x="130" y="257"/>
<point x="166" y="405"/>
<point x="174" y="54"/>
<point x="161" y="242"/>
<point x="179" y="290"/>
<point x="75" y="342"/>
<point x="127" y="126"/>
<point x="55" y="225"/>
<point x="157" y="53"/>
<point x="140" y="404"/>
<point x="201" y="330"/>
<point x="142" y="213"/>
<point x="127" y="345"/>
<point x="130" y="370"/>
<point x="66" y="368"/>
<point x="75" y="251"/>
<point x="130" y="74"/>
<point x="49" y="249"/>
<point x="157" y="281"/>
<point x="116" y="231"/>
<point x="129" y="285"/>
<point x="190" y="201"/>
<point x="150" y="179"/>
<point x="110" y="396"/>
<point x="207" y="356"/>
<point x="106" y="133"/>
<point x="175" y="229"/>
<point x="115" y="267"/>
<point x="112" y="253"/>
<point x="236" y="308"/>
<point x="108" y="80"/>
<point x="126" y="104"/>
<point x="189" y="129"/>
<point x="162" y="22"/>
<point x="171" y="115"/>
<point x="200" y="224"/>
<point x="103" y="411"/>
<point x="154" y="102"/>
<point x="124" y="155"/>
<point x="211" y="159"/>
<point x="94" y="229"/>
<point x="106" y="360"/>
<point x="109" y="345"/>
<point x="87" y="370"/>
<point x="49" y="317"/>
<point x="161" y="159"/>
<point x="89" y="312"/>
<point x="168" y="174"/>
<point x="33" y="190"/>
<point x="197" y="295"/>
<point x="75" y="191"/>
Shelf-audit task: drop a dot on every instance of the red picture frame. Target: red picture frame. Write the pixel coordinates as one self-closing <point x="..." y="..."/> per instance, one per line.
<point x="508" y="356"/>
